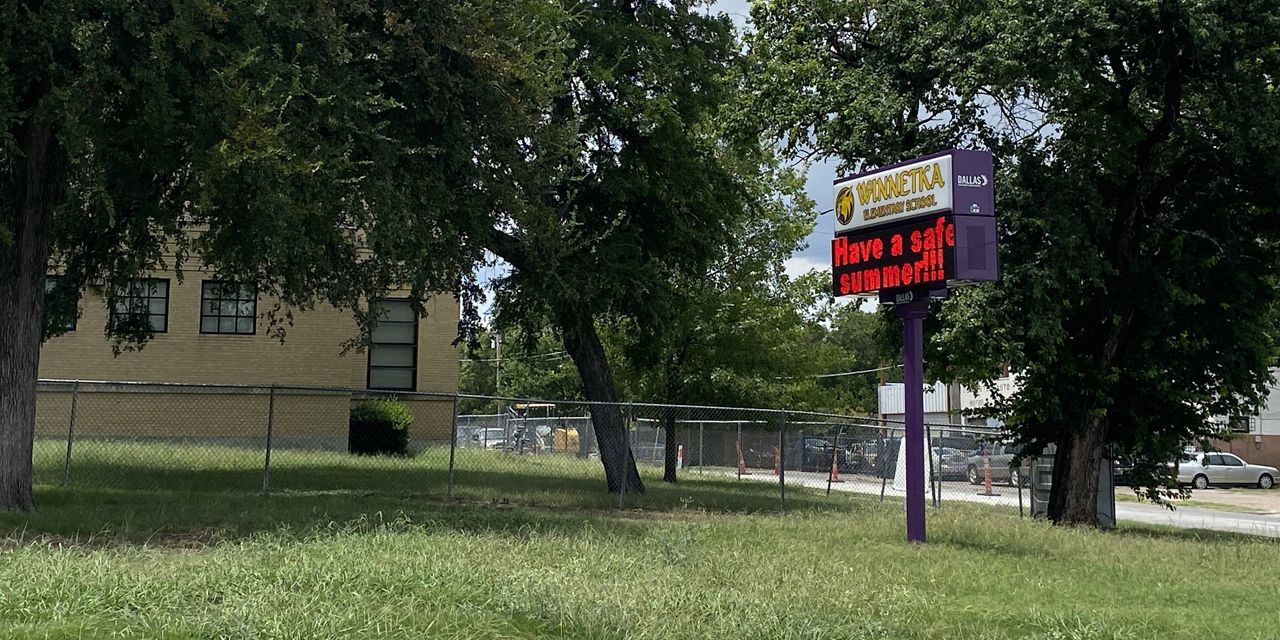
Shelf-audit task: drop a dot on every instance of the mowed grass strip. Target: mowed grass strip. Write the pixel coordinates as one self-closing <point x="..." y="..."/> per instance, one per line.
<point x="394" y="564"/>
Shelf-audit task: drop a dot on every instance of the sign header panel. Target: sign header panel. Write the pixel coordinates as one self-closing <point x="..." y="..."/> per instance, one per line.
<point x="890" y="195"/>
<point x="957" y="181"/>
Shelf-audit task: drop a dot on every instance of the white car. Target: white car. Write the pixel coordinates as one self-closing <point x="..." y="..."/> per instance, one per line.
<point x="1200" y="470"/>
<point x="490" y="438"/>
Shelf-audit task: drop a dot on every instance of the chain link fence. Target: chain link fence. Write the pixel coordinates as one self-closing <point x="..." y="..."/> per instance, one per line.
<point x="111" y="436"/>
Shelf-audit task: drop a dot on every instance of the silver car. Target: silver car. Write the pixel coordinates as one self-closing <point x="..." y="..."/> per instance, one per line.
<point x="1200" y="470"/>
<point x="490" y="438"/>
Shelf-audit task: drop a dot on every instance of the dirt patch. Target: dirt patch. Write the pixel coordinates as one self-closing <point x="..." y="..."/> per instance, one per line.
<point x="1253" y="501"/>
<point x="1257" y="500"/>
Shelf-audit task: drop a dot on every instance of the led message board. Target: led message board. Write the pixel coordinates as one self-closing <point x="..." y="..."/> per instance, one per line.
<point x="925" y="223"/>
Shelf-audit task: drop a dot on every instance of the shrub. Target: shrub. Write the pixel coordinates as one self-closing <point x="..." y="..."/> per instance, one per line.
<point x="379" y="427"/>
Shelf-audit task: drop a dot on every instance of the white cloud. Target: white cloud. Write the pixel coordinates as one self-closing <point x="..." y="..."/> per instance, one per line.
<point x="797" y="266"/>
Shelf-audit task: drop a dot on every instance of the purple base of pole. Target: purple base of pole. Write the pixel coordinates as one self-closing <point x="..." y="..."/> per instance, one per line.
<point x="913" y="314"/>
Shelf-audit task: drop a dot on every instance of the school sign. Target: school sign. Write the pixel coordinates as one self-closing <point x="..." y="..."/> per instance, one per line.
<point x="927" y="223"/>
<point x="910" y="231"/>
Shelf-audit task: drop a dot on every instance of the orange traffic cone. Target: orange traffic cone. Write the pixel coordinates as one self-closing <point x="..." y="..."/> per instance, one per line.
<point x="986" y="477"/>
<point x="777" y="461"/>
<point x="742" y="464"/>
<point x="835" y="471"/>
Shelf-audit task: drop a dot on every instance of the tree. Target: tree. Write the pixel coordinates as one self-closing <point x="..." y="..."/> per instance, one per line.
<point x="1138" y="146"/>
<point x="857" y="342"/>
<point x="730" y="334"/>
<point x="537" y="368"/>
<point x="256" y="137"/>
<point x="627" y="188"/>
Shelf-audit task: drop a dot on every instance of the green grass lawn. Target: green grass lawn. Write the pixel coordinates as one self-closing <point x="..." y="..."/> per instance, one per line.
<point x="361" y="548"/>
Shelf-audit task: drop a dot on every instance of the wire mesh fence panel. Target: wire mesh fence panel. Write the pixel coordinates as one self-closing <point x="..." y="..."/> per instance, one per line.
<point x="975" y="464"/>
<point x="839" y="453"/>
<point x="706" y="457"/>
<point x="176" y="437"/>
<point x="361" y="441"/>
<point x="538" y="452"/>
<point x="167" y="437"/>
<point x="876" y="462"/>
<point x="54" y="402"/>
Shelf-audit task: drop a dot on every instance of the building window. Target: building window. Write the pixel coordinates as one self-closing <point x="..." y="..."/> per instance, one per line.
<point x="60" y="305"/>
<point x="393" y="349"/>
<point x="141" y="303"/>
<point x="228" y="307"/>
<point x="1240" y="424"/>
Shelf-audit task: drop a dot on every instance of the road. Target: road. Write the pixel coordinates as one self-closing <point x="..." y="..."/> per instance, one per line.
<point x="1182" y="517"/>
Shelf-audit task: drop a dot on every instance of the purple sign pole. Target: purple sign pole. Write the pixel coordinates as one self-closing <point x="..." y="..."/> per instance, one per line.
<point x="913" y="314"/>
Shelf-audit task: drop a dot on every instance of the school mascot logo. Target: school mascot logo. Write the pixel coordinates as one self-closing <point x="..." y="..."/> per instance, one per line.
<point x="844" y="205"/>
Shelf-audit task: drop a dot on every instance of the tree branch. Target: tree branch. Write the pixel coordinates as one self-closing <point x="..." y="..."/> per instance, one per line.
<point x="507" y="247"/>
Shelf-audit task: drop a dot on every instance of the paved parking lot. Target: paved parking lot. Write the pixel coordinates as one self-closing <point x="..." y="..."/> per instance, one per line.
<point x="1260" y="513"/>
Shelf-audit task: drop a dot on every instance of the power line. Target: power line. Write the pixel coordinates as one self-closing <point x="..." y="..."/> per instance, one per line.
<point x="841" y="374"/>
<point x="551" y="354"/>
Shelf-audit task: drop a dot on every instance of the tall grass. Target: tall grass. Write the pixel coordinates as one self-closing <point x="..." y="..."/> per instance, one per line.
<point x="708" y="558"/>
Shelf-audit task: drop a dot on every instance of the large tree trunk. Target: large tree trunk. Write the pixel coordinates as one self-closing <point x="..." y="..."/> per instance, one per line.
<point x="30" y="191"/>
<point x="671" y="447"/>
<point x="1074" y="496"/>
<point x="610" y="426"/>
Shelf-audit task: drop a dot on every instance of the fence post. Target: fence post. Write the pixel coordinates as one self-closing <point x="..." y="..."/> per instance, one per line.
<point x="739" y="450"/>
<point x="700" y="449"/>
<point x="883" y="464"/>
<point x="71" y="431"/>
<point x="453" y="444"/>
<point x="657" y="430"/>
<point x="271" y="419"/>
<point x="935" y="484"/>
<point x="624" y="467"/>
<point x="835" y="455"/>
<point x="782" y="463"/>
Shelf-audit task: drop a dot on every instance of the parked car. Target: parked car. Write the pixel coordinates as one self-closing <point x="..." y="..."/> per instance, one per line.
<point x="813" y="453"/>
<point x="1000" y="456"/>
<point x="1202" y="470"/>
<point x="950" y="463"/>
<point x="490" y="438"/>
<point x="863" y="455"/>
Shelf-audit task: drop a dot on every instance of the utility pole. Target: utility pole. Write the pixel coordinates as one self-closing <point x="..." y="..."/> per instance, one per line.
<point x="496" y="341"/>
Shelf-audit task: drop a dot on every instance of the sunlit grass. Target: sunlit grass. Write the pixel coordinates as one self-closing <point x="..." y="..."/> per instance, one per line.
<point x="708" y="558"/>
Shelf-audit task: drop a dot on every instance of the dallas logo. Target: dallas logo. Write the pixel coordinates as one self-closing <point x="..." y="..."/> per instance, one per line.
<point x="972" y="181"/>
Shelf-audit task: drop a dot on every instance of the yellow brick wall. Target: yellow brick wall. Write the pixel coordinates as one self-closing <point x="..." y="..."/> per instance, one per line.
<point x="432" y="418"/>
<point x="300" y="418"/>
<point x="311" y="354"/>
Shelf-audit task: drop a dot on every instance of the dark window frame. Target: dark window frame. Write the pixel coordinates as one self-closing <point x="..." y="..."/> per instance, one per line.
<point x="236" y="316"/>
<point x="1240" y="424"/>
<point x="112" y="313"/>
<point x="369" y="366"/>
<point x="51" y="281"/>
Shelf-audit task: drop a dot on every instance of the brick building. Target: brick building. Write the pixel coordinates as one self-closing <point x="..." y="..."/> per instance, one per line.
<point x="209" y="332"/>
<point x="1256" y="438"/>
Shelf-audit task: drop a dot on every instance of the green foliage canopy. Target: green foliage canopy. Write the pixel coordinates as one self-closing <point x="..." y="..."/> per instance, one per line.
<point x="1138" y="150"/>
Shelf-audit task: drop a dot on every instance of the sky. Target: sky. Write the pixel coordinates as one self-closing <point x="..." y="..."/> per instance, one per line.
<point x="817" y="253"/>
